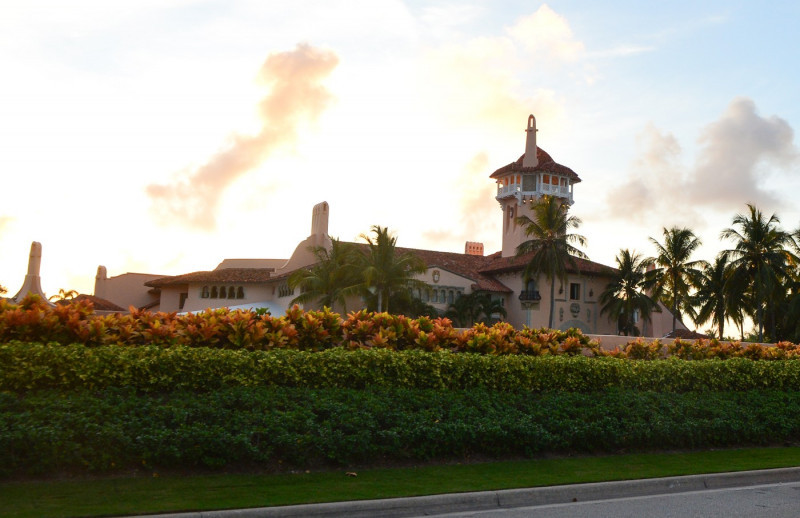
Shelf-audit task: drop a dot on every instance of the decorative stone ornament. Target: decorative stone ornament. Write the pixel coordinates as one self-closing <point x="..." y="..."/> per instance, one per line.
<point x="436" y="276"/>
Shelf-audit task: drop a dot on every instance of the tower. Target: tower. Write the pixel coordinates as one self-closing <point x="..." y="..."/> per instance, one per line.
<point x="522" y="183"/>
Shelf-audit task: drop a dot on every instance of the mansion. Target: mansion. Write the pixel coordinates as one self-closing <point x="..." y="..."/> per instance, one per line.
<point x="263" y="283"/>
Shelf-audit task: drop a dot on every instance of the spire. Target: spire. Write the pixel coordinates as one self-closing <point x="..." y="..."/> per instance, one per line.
<point x="32" y="283"/>
<point x="530" y="160"/>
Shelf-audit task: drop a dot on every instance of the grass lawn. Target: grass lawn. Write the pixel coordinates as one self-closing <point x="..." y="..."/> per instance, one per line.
<point x="119" y="496"/>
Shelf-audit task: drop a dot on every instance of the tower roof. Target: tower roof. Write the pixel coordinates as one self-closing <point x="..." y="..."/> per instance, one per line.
<point x="546" y="165"/>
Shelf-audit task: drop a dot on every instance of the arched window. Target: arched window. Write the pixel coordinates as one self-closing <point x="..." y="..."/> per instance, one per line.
<point x="240" y="292"/>
<point x="450" y="296"/>
<point x="231" y="292"/>
<point x="213" y="292"/>
<point x="442" y="297"/>
<point x="427" y="295"/>
<point x="435" y="296"/>
<point x="204" y="292"/>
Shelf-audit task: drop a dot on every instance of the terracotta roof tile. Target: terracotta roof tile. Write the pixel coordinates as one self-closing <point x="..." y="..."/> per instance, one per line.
<point x="686" y="334"/>
<point x="469" y="266"/>
<point x="239" y="275"/>
<point x="98" y="303"/>
<point x="546" y="165"/>
<point x="509" y="264"/>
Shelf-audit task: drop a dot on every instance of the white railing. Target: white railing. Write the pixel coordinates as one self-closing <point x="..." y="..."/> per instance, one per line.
<point x="514" y="189"/>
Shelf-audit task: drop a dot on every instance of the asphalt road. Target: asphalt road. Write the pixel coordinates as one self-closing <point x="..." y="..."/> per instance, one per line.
<point x="772" y="500"/>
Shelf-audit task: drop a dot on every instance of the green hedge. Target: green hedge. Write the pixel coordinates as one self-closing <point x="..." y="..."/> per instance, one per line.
<point x="25" y="366"/>
<point x="114" y="429"/>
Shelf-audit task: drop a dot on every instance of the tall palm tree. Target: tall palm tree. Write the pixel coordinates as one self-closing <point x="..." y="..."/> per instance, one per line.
<point x="551" y="244"/>
<point x="385" y="270"/>
<point x="674" y="274"/>
<point x="625" y="294"/>
<point x="332" y="279"/>
<point x="713" y="296"/>
<point x="761" y="257"/>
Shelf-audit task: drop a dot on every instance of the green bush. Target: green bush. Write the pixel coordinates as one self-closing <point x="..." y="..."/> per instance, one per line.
<point x="115" y="429"/>
<point x="28" y="366"/>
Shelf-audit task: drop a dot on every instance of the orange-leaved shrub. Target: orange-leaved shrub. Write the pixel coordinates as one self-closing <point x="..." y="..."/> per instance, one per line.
<point x="35" y="320"/>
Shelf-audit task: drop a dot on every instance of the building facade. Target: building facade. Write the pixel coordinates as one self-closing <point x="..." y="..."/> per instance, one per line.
<point x="251" y="283"/>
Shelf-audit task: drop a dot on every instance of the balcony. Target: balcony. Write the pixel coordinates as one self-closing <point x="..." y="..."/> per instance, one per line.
<point x="530" y="296"/>
<point x="514" y="190"/>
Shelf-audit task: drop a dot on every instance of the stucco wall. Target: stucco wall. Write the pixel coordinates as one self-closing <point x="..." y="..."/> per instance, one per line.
<point x="126" y="290"/>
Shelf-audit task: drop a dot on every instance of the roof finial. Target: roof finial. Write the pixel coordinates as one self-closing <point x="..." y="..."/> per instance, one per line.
<point x="530" y="160"/>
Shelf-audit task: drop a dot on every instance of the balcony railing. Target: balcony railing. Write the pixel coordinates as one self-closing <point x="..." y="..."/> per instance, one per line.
<point x="504" y="191"/>
<point x="530" y="296"/>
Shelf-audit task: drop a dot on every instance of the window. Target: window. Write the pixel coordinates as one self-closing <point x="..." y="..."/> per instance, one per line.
<point x="450" y="296"/>
<point x="442" y="297"/>
<point x="574" y="291"/>
<point x="240" y="292"/>
<point x="204" y="293"/>
<point x="435" y="297"/>
<point x="529" y="182"/>
<point x="427" y="294"/>
<point x="284" y="291"/>
<point x="182" y="300"/>
<point x="213" y="292"/>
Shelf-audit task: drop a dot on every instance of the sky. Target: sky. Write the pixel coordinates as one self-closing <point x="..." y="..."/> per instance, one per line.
<point x="165" y="136"/>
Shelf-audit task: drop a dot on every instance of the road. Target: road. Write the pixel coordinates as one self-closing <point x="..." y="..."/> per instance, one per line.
<point x="768" y="500"/>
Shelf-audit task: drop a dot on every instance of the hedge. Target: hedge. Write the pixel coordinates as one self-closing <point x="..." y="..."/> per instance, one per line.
<point x="28" y="366"/>
<point x="49" y="432"/>
<point x="34" y="320"/>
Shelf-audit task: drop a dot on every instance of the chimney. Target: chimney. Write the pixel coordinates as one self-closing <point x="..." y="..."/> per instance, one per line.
<point x="473" y="248"/>
<point x="319" y="219"/>
<point x="530" y="159"/>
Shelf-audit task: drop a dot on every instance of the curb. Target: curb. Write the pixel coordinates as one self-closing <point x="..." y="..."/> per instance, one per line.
<point x="508" y="498"/>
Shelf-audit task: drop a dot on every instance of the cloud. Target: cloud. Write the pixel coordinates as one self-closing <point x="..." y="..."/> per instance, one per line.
<point x="480" y="80"/>
<point x="477" y="209"/>
<point x="296" y="96"/>
<point x="546" y="34"/>
<point x="5" y="222"/>
<point x="737" y="154"/>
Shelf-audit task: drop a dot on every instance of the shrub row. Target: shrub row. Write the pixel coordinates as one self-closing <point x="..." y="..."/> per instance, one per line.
<point x="25" y="366"/>
<point x="48" y="432"/>
<point x="34" y="320"/>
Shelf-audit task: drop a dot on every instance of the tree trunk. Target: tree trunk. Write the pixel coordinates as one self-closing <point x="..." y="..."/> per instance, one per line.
<point x="380" y="301"/>
<point x="674" y="316"/>
<point x="552" y="300"/>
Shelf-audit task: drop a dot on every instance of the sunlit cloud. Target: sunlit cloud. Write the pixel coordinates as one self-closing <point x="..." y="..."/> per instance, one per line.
<point x="730" y="169"/>
<point x="477" y="212"/>
<point x="481" y="80"/>
<point x="5" y="222"/>
<point x="546" y="35"/>
<point x="296" y="97"/>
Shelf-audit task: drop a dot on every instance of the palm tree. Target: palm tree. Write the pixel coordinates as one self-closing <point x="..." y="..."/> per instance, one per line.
<point x="760" y="259"/>
<point x="332" y="279"/>
<point x="475" y="307"/>
<point x="625" y="294"/>
<point x="385" y="270"/>
<point x="674" y="274"/>
<point x="551" y="243"/>
<point x="713" y="296"/>
<point x="63" y="295"/>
